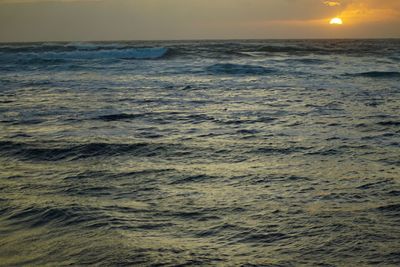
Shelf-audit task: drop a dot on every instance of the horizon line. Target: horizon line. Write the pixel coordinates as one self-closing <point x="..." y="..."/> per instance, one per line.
<point x="194" y="40"/>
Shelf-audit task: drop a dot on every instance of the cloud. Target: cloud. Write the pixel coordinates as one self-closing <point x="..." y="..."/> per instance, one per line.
<point x="332" y="3"/>
<point x="371" y="11"/>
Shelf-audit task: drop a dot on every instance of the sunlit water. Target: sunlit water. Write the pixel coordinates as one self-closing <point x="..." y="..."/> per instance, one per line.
<point x="272" y="153"/>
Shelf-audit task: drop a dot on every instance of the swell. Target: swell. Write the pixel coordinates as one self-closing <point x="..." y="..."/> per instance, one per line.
<point x="306" y="61"/>
<point x="60" y="47"/>
<point x="389" y="210"/>
<point x="237" y="69"/>
<point x="166" y="117"/>
<point x="376" y="74"/>
<point x="82" y="151"/>
<point x="155" y="50"/>
<point x="34" y="216"/>
<point x="290" y="49"/>
<point x="54" y="55"/>
<point x="118" y="117"/>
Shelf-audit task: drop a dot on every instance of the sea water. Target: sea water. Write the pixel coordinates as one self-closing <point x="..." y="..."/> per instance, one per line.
<point x="180" y="153"/>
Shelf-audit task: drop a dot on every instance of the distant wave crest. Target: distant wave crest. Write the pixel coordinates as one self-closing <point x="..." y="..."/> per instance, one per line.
<point x="133" y="53"/>
<point x="85" y="52"/>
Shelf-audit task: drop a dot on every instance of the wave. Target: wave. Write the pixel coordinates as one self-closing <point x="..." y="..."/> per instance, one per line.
<point x="265" y="238"/>
<point x="83" y="151"/>
<point x="192" y="179"/>
<point x="389" y="123"/>
<point x="376" y="74"/>
<point x="280" y="150"/>
<point x="118" y="117"/>
<point x="215" y="50"/>
<point x="290" y="49"/>
<point x="56" y="216"/>
<point x="237" y="69"/>
<point x="94" y="46"/>
<point x="322" y="47"/>
<point x="131" y="53"/>
<point x="58" y="47"/>
<point x="307" y="61"/>
<point x="42" y="61"/>
<point x="391" y="209"/>
<point x="134" y="53"/>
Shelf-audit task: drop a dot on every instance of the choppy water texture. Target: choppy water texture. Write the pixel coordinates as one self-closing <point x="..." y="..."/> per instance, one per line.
<point x="254" y="153"/>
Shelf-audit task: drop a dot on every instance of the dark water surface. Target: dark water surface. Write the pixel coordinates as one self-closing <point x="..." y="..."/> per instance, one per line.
<point x="253" y="153"/>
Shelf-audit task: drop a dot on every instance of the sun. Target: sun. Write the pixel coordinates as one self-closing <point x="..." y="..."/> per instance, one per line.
<point x="336" y="21"/>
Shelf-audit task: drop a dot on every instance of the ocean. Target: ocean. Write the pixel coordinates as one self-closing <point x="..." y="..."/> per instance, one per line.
<point x="200" y="153"/>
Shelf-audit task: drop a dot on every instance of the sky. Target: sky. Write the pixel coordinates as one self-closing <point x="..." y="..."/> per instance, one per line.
<point x="91" y="20"/>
